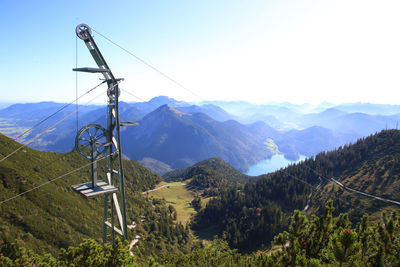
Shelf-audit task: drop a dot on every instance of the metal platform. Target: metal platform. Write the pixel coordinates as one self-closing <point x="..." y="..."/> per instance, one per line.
<point x="128" y="123"/>
<point x="88" y="191"/>
<point x="91" y="70"/>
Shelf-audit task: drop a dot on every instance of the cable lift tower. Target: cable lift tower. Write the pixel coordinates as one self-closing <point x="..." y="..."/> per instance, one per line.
<point x="94" y="141"/>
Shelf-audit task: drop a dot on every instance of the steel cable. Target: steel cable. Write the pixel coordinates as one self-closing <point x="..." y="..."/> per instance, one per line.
<point x="55" y="124"/>
<point x="54" y="179"/>
<point x="59" y="110"/>
<point x="149" y="65"/>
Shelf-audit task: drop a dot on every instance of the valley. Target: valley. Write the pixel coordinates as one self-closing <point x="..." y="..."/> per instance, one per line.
<point x="204" y="191"/>
<point x="213" y="199"/>
<point x="178" y="195"/>
<point x="200" y="133"/>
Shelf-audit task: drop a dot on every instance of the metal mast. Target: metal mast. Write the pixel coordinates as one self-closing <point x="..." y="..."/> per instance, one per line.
<point x="90" y="137"/>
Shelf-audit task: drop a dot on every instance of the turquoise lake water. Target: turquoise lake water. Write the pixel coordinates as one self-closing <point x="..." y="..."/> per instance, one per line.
<point x="270" y="165"/>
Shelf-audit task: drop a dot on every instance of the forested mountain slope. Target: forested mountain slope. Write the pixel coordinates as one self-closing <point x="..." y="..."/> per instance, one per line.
<point x="370" y="166"/>
<point x="212" y="175"/>
<point x="324" y="240"/>
<point x="53" y="216"/>
<point x="249" y="216"/>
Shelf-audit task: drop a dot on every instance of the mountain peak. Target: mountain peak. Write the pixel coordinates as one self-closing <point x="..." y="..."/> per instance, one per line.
<point x="162" y="100"/>
<point x="170" y="109"/>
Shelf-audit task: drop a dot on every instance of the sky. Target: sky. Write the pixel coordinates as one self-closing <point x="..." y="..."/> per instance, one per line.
<point x="257" y="51"/>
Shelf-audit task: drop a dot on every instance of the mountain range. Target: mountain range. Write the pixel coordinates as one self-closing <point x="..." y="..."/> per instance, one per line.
<point x="175" y="134"/>
<point x="181" y="139"/>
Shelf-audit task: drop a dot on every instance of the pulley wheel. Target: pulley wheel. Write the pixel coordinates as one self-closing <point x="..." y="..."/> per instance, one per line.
<point x="111" y="92"/>
<point x="89" y="137"/>
<point x="83" y="31"/>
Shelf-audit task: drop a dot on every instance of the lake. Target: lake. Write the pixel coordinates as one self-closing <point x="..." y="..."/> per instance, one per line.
<point x="272" y="164"/>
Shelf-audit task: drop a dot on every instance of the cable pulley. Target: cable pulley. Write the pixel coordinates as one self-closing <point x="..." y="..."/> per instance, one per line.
<point x="111" y="92"/>
<point x="91" y="141"/>
<point x="83" y="31"/>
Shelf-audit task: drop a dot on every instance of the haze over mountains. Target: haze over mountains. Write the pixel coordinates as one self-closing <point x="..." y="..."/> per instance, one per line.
<point x="174" y="134"/>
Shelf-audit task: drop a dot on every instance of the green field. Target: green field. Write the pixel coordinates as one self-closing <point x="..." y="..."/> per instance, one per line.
<point x="178" y="196"/>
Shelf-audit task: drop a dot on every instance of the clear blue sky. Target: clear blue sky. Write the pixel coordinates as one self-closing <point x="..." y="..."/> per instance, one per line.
<point x="259" y="51"/>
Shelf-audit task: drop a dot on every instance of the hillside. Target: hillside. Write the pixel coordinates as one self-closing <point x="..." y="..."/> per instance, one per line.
<point x="212" y="175"/>
<point x="371" y="166"/>
<point x="53" y="216"/>
<point x="324" y="240"/>
<point x="217" y="165"/>
<point x="248" y="216"/>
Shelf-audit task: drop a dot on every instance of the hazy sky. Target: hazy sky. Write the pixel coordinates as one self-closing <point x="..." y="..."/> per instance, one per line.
<point x="259" y="51"/>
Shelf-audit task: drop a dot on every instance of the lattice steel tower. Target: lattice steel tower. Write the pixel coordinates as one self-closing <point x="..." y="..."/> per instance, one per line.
<point x="93" y="141"/>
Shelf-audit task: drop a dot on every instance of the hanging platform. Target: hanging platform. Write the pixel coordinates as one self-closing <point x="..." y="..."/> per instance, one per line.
<point x="88" y="191"/>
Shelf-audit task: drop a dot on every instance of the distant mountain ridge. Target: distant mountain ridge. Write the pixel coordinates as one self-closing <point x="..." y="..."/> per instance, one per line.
<point x="369" y="108"/>
<point x="302" y="129"/>
<point x="20" y="117"/>
<point x="342" y="118"/>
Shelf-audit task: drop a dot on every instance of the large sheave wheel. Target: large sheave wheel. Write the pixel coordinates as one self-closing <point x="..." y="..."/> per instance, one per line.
<point x="92" y="136"/>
